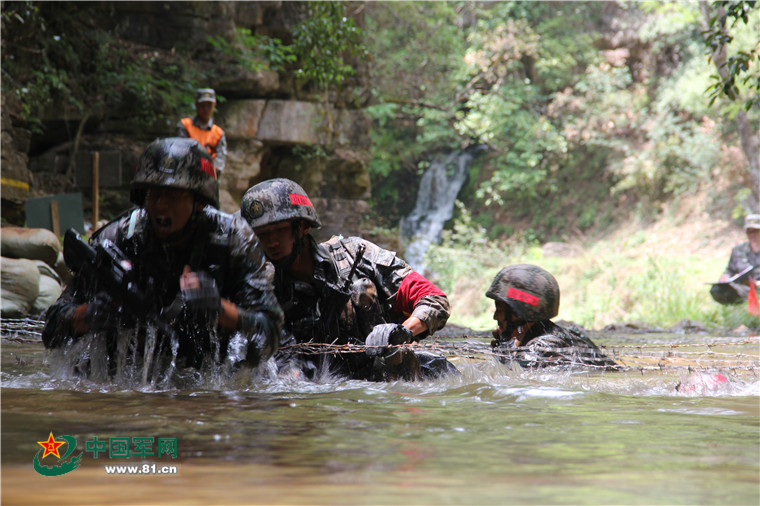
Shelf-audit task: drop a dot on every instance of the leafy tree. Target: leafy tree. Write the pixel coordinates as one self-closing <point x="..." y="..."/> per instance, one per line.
<point x="324" y="41"/>
<point x="722" y="19"/>
<point x="55" y="54"/>
<point x="720" y="31"/>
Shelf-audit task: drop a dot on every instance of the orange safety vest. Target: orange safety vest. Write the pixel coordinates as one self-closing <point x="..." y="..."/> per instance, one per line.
<point x="209" y="138"/>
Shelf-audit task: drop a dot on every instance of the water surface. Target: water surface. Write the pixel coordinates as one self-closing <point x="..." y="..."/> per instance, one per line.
<point x="490" y="436"/>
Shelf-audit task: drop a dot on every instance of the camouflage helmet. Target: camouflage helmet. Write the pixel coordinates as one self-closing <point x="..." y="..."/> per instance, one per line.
<point x="176" y="162"/>
<point x="531" y="292"/>
<point x="277" y="200"/>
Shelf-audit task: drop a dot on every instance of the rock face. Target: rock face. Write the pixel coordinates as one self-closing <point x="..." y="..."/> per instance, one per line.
<point x="275" y="126"/>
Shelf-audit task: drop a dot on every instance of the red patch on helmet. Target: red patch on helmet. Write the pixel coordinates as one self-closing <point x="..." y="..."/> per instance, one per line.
<point x="514" y="293"/>
<point x="208" y="168"/>
<point x="300" y="200"/>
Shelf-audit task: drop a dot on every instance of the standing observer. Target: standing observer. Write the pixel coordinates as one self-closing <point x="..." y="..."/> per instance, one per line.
<point x="201" y="127"/>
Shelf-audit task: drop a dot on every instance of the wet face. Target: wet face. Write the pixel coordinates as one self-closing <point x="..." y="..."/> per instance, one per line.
<point x="506" y="319"/>
<point x="169" y="209"/>
<point x="276" y="239"/>
<point x="205" y="110"/>
<point x="502" y="315"/>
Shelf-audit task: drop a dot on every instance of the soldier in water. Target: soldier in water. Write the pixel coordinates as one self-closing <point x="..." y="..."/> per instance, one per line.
<point x="526" y="298"/>
<point x="200" y="270"/>
<point x="344" y="291"/>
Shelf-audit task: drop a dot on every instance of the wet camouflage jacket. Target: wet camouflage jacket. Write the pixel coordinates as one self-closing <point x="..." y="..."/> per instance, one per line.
<point x="223" y="245"/>
<point x="383" y="289"/>
<point x="742" y="257"/>
<point x="548" y="344"/>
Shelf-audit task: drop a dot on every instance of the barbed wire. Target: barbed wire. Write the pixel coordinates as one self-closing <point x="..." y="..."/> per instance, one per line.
<point x="654" y="360"/>
<point x="21" y="329"/>
<point x="642" y="357"/>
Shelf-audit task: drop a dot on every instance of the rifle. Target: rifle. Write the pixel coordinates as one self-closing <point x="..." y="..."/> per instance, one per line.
<point x="114" y="271"/>
<point x="357" y="261"/>
<point x="112" y="268"/>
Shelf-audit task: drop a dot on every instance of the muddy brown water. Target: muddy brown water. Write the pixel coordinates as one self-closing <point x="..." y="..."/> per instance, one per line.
<point x="493" y="435"/>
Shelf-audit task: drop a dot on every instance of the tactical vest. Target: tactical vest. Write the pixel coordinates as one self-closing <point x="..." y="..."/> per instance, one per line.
<point x="332" y="310"/>
<point x="209" y="138"/>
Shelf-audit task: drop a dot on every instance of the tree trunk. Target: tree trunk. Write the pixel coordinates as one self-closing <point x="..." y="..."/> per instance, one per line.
<point x="750" y="139"/>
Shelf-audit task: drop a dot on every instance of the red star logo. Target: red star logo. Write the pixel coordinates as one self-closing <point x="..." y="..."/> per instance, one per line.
<point x="50" y="446"/>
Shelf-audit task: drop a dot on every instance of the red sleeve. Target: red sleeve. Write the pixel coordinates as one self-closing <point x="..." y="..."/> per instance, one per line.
<point x="412" y="289"/>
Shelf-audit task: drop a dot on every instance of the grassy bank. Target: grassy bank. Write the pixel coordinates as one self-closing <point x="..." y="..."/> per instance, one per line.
<point x="654" y="274"/>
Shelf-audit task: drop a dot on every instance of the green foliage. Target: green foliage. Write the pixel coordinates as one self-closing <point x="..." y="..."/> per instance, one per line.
<point x="740" y="67"/>
<point x="566" y="122"/>
<point x="53" y="53"/>
<point x="322" y="43"/>
<point x="254" y="52"/>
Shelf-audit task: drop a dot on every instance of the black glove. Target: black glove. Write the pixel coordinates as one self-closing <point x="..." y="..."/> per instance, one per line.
<point x="384" y="335"/>
<point x="99" y="313"/>
<point x="206" y="297"/>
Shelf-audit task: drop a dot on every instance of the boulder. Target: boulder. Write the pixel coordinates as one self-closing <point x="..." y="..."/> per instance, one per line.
<point x="240" y="118"/>
<point x="31" y="243"/>
<point x="244" y="159"/>
<point x="290" y="122"/>
<point x="19" y="286"/>
<point x="561" y="249"/>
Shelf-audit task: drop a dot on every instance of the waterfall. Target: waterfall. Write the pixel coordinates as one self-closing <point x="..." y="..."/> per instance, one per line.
<point x="439" y="188"/>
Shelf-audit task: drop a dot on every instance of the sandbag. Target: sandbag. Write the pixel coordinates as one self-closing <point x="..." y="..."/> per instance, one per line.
<point x="19" y="286"/>
<point x="31" y="243"/>
<point x="49" y="290"/>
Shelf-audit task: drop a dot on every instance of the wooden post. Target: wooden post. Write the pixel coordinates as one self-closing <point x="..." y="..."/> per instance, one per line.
<point x="95" y="189"/>
<point x="54" y="218"/>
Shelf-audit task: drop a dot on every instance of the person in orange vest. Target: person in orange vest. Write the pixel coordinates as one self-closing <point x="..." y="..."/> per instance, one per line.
<point x="202" y="128"/>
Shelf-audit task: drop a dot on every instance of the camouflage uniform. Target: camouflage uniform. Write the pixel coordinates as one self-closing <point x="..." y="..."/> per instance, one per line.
<point x="345" y="299"/>
<point x="333" y="310"/>
<point x="548" y="344"/>
<point x="222" y="245"/>
<point x="216" y="243"/>
<point x="742" y="257"/>
<point x="533" y="295"/>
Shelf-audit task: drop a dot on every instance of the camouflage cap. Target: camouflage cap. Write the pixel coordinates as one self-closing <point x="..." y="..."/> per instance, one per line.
<point x="176" y="162"/>
<point x="277" y="200"/>
<point x="205" y="95"/>
<point x="752" y="221"/>
<point x="531" y="292"/>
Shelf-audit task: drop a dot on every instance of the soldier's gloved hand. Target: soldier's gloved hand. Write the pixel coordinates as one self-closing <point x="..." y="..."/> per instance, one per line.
<point x="203" y="295"/>
<point x="384" y="335"/>
<point x="247" y="350"/>
<point x="99" y="312"/>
